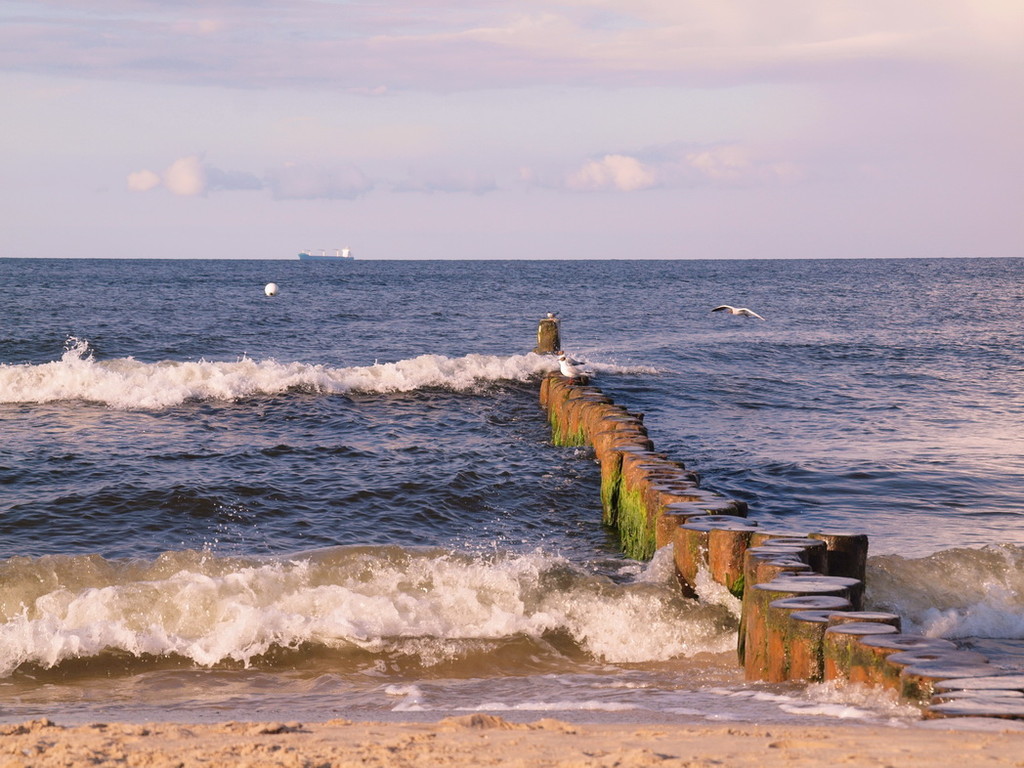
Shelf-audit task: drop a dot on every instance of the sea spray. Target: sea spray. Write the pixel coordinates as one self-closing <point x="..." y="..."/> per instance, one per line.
<point x="955" y="593"/>
<point x="386" y="601"/>
<point x="128" y="384"/>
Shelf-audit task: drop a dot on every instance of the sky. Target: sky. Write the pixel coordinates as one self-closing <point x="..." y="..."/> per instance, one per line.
<point x="536" y="129"/>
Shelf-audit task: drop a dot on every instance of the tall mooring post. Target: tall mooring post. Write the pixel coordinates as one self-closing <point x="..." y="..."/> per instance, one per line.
<point x="548" y="342"/>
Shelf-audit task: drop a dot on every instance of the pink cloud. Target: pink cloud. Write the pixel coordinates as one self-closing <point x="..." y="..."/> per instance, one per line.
<point x="143" y="181"/>
<point x="612" y="172"/>
<point x="191" y="176"/>
<point x="454" y="44"/>
<point x="675" y="167"/>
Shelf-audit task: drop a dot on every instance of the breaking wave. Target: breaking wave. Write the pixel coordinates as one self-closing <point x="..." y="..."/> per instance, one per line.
<point x="430" y="605"/>
<point x="956" y="593"/>
<point x="128" y="384"/>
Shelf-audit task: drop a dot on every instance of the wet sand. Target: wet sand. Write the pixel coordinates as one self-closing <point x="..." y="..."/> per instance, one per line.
<point x="481" y="740"/>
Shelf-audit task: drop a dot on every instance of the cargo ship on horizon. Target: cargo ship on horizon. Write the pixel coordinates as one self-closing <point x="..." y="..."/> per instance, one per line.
<point x="340" y="254"/>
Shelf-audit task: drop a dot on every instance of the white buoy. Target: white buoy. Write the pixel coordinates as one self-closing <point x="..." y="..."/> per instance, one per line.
<point x="271" y="289"/>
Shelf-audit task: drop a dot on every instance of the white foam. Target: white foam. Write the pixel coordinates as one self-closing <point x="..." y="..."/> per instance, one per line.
<point x="845" y="701"/>
<point x="411" y="695"/>
<point x="955" y="593"/>
<point x="129" y="384"/>
<point x="840" y="711"/>
<point x="714" y="593"/>
<point x="404" y="690"/>
<point x="431" y="605"/>
<point x="997" y="613"/>
<point x="841" y="701"/>
<point x="850" y="700"/>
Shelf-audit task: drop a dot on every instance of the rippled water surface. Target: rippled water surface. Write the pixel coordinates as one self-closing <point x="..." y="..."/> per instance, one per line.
<point x="343" y="498"/>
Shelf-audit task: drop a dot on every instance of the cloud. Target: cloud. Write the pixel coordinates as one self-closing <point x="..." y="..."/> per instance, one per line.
<point x="736" y="164"/>
<point x="231" y="180"/>
<point x="455" y="44"/>
<point x="617" y="172"/>
<point x="189" y="176"/>
<point x="666" y="167"/>
<point x="186" y="177"/>
<point x="143" y="181"/>
<point x="676" y="166"/>
<point x="309" y="182"/>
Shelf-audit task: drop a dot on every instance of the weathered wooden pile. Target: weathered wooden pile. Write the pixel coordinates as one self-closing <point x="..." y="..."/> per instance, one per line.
<point x="802" y="615"/>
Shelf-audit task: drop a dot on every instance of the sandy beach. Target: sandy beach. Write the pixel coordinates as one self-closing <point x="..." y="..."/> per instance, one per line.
<point x="480" y="739"/>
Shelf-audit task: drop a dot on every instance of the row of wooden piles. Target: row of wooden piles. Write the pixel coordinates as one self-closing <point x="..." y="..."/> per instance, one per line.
<point x="802" y="615"/>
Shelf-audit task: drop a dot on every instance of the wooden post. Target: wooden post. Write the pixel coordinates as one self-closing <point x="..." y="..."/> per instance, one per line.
<point x="807" y="644"/>
<point x="879" y="659"/>
<point x="840" y="641"/>
<point x="867" y="661"/>
<point x="794" y="642"/>
<point x="692" y="542"/>
<point x="761" y="565"/>
<point x="876" y="616"/>
<point x="755" y="613"/>
<point x="998" y="695"/>
<point x="727" y="545"/>
<point x="988" y="705"/>
<point x="811" y="551"/>
<point x="548" y="341"/>
<point x="622" y="443"/>
<point x="918" y="681"/>
<point x="846" y="553"/>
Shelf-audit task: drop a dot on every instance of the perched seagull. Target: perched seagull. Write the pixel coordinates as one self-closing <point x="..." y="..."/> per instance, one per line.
<point x="571" y="369"/>
<point x="738" y="311"/>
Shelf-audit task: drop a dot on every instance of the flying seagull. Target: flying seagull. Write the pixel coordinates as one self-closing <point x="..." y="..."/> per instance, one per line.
<point x="738" y="311"/>
<point x="571" y="369"/>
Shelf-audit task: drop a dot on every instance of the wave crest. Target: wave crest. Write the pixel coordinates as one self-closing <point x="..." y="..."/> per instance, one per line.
<point x="129" y="384"/>
<point x="955" y="593"/>
<point x="383" y="600"/>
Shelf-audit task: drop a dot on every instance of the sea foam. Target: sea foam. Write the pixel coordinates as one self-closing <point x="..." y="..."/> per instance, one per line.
<point x="126" y="383"/>
<point x="956" y="593"/>
<point x="430" y="604"/>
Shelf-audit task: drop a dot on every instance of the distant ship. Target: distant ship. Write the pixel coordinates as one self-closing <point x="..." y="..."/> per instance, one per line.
<point x="344" y="254"/>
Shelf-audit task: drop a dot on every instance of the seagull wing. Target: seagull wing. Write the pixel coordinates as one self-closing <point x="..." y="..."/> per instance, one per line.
<point x="724" y="306"/>
<point x="752" y="313"/>
<point x="568" y="369"/>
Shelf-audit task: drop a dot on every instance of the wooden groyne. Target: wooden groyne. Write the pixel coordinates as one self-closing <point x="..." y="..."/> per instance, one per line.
<point x="802" y="615"/>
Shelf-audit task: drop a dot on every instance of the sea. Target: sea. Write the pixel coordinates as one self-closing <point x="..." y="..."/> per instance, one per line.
<point x="342" y="500"/>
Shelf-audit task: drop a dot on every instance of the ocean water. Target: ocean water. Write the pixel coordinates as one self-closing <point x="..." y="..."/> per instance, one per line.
<point x="342" y="501"/>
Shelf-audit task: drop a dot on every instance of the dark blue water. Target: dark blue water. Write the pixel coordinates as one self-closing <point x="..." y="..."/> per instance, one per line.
<point x="195" y="474"/>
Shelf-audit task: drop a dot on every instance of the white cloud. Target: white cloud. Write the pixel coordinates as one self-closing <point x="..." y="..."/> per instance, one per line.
<point x="612" y="172"/>
<point x="189" y="176"/>
<point x="186" y="177"/>
<point x="726" y="163"/>
<point x="143" y="181"/>
<point x="733" y="164"/>
<point x="678" y="166"/>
